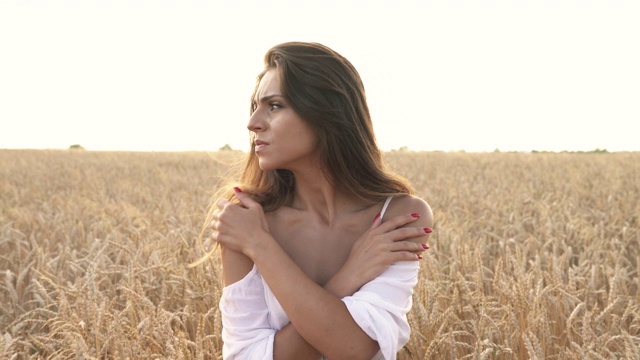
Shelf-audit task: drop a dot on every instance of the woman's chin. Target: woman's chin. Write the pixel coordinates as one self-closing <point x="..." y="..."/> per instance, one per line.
<point x="265" y="165"/>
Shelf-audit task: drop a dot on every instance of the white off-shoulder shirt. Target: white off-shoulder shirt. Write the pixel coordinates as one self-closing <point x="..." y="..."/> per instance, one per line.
<point x="251" y="314"/>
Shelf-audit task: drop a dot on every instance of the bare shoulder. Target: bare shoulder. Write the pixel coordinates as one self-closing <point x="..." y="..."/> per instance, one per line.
<point x="235" y="266"/>
<point x="410" y="204"/>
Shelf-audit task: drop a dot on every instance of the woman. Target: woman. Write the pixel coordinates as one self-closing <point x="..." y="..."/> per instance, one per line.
<point x="320" y="245"/>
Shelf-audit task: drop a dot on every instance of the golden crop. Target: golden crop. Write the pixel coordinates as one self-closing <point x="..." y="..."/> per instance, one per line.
<point x="533" y="256"/>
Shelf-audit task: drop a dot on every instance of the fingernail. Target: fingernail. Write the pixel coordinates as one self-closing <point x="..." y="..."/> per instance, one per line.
<point x="237" y="189"/>
<point x="376" y="218"/>
<point x="415" y="215"/>
<point x="425" y="246"/>
<point x="419" y="257"/>
<point x="427" y="230"/>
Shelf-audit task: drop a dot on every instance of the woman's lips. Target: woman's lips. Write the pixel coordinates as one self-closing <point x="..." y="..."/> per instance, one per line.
<point x="260" y="145"/>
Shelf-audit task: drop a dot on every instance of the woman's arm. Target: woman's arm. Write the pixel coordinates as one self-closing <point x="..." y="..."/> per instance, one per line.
<point x="306" y="303"/>
<point x="370" y="257"/>
<point x="307" y="312"/>
<point x="286" y="343"/>
<point x="386" y="297"/>
<point x="246" y="333"/>
<point x="321" y="318"/>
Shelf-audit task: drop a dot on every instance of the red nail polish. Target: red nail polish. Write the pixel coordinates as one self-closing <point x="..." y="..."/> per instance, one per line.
<point x="237" y="189"/>
<point x="415" y="215"/>
<point x="427" y="230"/>
<point x="376" y="218"/>
<point x="419" y="257"/>
<point x="425" y="246"/>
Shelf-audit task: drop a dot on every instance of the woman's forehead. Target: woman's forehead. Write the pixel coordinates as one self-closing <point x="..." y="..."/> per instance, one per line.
<point x="269" y="84"/>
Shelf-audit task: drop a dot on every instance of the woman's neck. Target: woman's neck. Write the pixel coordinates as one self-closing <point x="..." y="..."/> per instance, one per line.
<point x="314" y="193"/>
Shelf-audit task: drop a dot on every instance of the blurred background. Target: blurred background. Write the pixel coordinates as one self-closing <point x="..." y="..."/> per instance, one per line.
<point x="456" y="75"/>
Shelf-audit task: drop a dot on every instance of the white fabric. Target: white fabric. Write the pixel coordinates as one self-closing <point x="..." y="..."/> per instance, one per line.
<point x="251" y="314"/>
<point x="247" y="332"/>
<point x="380" y="307"/>
<point x="384" y="207"/>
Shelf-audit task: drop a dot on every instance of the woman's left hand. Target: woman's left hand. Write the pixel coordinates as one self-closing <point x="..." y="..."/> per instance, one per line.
<point x="239" y="226"/>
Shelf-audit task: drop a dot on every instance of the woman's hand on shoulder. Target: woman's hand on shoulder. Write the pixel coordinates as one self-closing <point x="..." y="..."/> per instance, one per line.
<point x="401" y="236"/>
<point x="420" y="208"/>
<point x="239" y="226"/>
<point x="415" y="205"/>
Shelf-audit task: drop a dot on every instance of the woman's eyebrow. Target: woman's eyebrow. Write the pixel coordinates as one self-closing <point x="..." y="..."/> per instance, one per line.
<point x="269" y="97"/>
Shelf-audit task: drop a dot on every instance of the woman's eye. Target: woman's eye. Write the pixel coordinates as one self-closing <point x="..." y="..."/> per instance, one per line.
<point x="275" y="106"/>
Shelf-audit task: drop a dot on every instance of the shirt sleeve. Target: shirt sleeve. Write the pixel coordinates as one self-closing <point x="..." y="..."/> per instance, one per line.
<point x="246" y="333"/>
<point x="380" y="307"/>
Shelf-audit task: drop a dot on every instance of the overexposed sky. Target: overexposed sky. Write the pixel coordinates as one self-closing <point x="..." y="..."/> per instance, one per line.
<point x="165" y="75"/>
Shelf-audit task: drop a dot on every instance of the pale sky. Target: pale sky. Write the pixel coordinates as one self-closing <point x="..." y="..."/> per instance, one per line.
<point x="440" y="75"/>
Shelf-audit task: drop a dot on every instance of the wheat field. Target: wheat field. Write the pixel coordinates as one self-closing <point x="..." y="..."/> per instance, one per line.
<point x="533" y="256"/>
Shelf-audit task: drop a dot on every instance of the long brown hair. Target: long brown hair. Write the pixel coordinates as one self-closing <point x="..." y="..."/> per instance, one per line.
<point x="325" y="89"/>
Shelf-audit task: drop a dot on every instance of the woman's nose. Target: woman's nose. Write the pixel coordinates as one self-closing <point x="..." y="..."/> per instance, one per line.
<point x="256" y="123"/>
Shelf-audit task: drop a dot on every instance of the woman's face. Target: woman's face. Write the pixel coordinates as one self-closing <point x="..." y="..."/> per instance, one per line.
<point x="283" y="140"/>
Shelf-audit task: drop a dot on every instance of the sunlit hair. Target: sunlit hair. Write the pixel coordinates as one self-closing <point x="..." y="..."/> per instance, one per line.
<point x="326" y="91"/>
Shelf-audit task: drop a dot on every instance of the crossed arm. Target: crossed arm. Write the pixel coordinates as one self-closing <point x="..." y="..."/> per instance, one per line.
<point x="245" y="241"/>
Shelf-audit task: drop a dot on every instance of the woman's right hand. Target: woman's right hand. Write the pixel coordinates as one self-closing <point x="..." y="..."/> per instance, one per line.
<point x="380" y="246"/>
